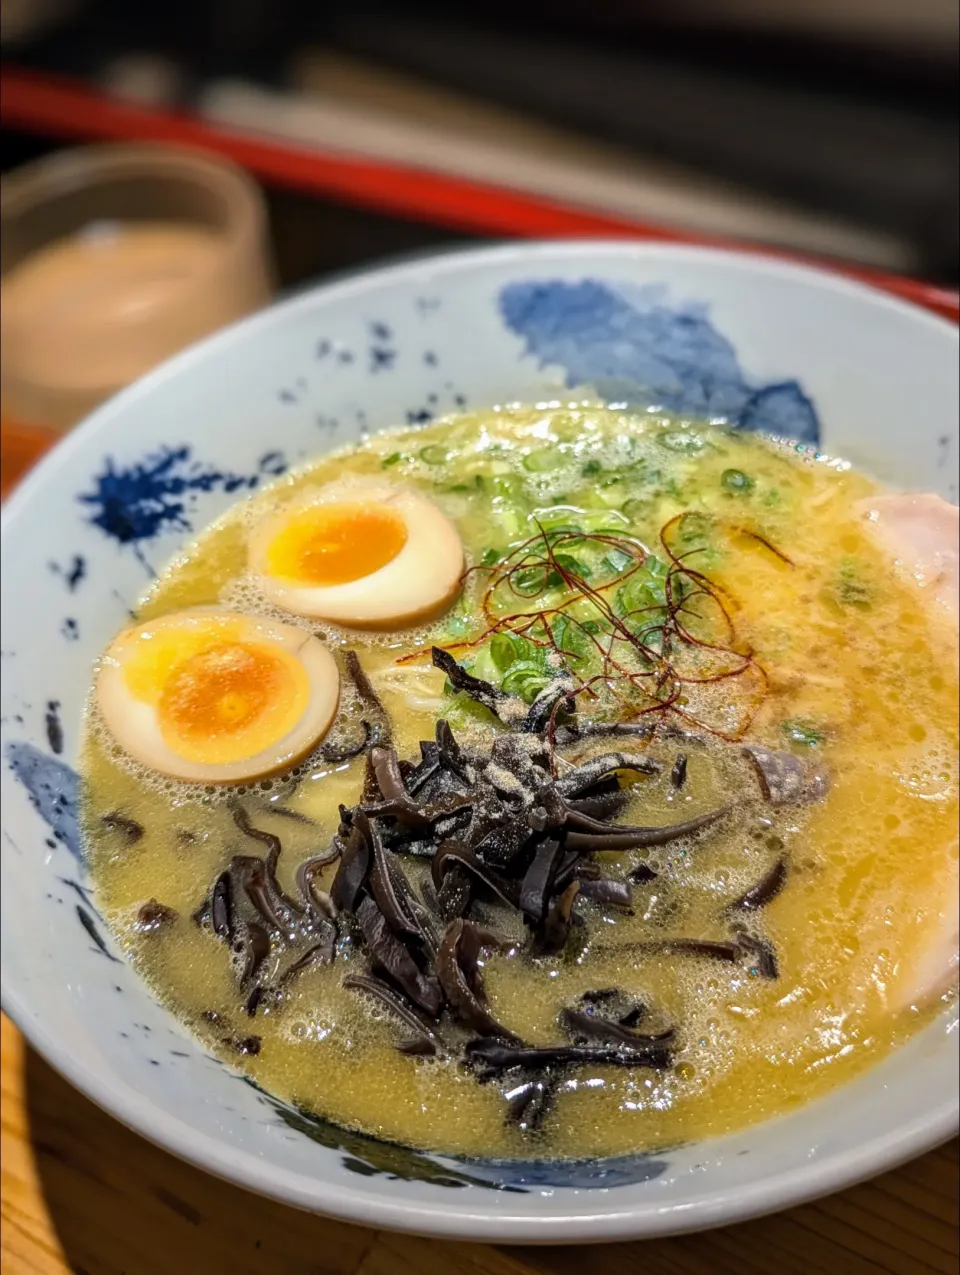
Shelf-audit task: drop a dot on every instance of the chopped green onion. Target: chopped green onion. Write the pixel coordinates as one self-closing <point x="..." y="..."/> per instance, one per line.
<point x="803" y="733"/>
<point x="543" y="461"/>
<point x="434" y="454"/>
<point x="391" y="459"/>
<point x="570" y="563"/>
<point x="736" y="482"/>
<point x="490" y="557"/>
<point x="591" y="469"/>
<point x="851" y="589"/>
<point x="506" y="486"/>
<point x="503" y="651"/>
<point x="525" y="678"/>
<point x="618" y="560"/>
<point x="569" y="636"/>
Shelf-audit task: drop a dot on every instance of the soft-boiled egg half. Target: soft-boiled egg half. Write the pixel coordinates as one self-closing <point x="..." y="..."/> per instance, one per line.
<point x="215" y="696"/>
<point x="365" y="554"/>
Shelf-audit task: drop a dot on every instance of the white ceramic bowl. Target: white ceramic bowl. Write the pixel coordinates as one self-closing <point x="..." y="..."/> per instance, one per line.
<point x="770" y="346"/>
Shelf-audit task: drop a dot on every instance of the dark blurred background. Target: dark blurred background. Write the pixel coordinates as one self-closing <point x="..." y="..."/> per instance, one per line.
<point x="827" y="127"/>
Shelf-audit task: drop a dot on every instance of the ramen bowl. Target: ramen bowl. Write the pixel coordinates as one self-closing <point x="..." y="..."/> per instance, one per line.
<point x="833" y="366"/>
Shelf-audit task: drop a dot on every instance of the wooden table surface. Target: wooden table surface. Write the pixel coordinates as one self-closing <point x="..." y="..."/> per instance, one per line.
<point x="80" y="1193"/>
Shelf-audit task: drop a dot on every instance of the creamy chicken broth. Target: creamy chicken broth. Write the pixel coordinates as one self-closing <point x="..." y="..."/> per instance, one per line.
<point x="690" y="634"/>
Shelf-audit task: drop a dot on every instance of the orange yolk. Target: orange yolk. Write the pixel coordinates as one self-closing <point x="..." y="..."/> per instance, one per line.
<point x="337" y="543"/>
<point x="231" y="701"/>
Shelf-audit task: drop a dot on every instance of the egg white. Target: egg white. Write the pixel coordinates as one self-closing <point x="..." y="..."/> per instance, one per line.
<point x="135" y="725"/>
<point x="418" y="584"/>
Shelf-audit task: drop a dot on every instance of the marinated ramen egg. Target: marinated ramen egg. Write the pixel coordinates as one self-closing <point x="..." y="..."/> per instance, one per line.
<point x="215" y="696"/>
<point x="367" y="554"/>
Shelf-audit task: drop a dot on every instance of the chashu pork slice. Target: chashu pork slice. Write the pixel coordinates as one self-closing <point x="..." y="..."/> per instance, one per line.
<point x="921" y="533"/>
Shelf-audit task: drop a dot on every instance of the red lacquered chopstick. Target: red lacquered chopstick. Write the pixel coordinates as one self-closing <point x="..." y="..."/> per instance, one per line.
<point x="57" y="107"/>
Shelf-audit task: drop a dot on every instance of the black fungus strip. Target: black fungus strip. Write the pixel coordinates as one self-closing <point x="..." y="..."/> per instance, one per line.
<point x="606" y="890"/>
<point x="460" y="977"/>
<point x="581" y="729"/>
<point x="318" y="902"/>
<point x="426" y="770"/>
<point x="221" y="907"/>
<point x="616" y="1004"/>
<point x="716" y="950"/>
<point x="604" y="805"/>
<point x="392" y="897"/>
<point x="397" y="801"/>
<point x="116" y="822"/>
<point x="449" y="751"/>
<point x="529" y="1103"/>
<point x="567" y="868"/>
<point x="452" y="857"/>
<point x="762" y="952"/>
<point x="396" y="1003"/>
<point x="251" y="872"/>
<point x="641" y="874"/>
<point x="767" y="888"/>
<point x="491" y="1057"/>
<point x="538" y="880"/>
<point x="280" y="900"/>
<point x="368" y="695"/>
<point x="285" y="812"/>
<point x="418" y="1047"/>
<point x="254" y="946"/>
<point x="557" y="692"/>
<point x="502" y="844"/>
<point x="483" y="692"/>
<point x="392" y="956"/>
<point x="678" y="775"/>
<point x="640" y="838"/>
<point x="371" y="735"/>
<point x="582" y="777"/>
<point x="429" y="896"/>
<point x="154" y="916"/>
<point x="784" y="779"/>
<point x="553" y="934"/>
<point x="583" y="1027"/>
<point x="320" y="953"/>
<point x="453" y="897"/>
<point x="352" y="871"/>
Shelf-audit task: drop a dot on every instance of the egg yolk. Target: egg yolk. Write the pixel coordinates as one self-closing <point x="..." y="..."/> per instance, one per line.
<point x="231" y="701"/>
<point x="336" y="543"/>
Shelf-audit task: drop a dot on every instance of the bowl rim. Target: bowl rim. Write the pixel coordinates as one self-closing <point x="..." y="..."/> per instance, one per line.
<point x="367" y="1203"/>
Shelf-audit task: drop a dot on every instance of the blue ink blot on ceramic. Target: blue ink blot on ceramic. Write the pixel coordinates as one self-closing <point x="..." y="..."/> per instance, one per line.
<point x="272" y="464"/>
<point x="88" y="923"/>
<point x="53" y="788"/>
<point x="577" y="1175"/>
<point x="73" y="574"/>
<point x="136" y="504"/>
<point x="381" y="358"/>
<point x="54" y="727"/>
<point x="635" y="347"/>
<point x="85" y="895"/>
